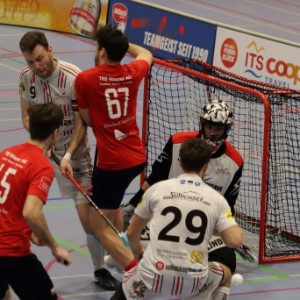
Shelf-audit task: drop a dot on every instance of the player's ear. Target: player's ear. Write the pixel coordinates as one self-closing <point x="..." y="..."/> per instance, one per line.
<point x="55" y="134"/>
<point x="50" y="50"/>
<point x="102" y="52"/>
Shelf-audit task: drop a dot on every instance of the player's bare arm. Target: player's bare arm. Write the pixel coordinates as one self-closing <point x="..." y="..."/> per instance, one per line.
<point x="140" y="53"/>
<point x="232" y="236"/>
<point x="35" y="219"/>
<point x="78" y="137"/>
<point x="25" y="105"/>
<point x="85" y="115"/>
<point x="133" y="234"/>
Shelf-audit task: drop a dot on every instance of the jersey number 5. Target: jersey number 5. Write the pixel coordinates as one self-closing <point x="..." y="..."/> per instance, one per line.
<point x="190" y="221"/>
<point x="112" y="97"/>
<point x="4" y="184"/>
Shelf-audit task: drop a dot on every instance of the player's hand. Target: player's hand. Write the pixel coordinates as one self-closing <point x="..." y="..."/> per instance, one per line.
<point x="127" y="212"/>
<point x="246" y="254"/>
<point x="62" y="256"/>
<point x="65" y="166"/>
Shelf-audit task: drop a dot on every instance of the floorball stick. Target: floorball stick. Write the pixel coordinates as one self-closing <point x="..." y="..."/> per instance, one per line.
<point x="122" y="235"/>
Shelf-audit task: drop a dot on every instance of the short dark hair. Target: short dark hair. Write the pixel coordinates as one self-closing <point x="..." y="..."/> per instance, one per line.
<point x="194" y="154"/>
<point x="113" y="41"/>
<point x="43" y="120"/>
<point x="31" y="39"/>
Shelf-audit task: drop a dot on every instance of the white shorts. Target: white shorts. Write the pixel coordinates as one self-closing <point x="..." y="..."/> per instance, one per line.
<point x="82" y="172"/>
<point x="135" y="289"/>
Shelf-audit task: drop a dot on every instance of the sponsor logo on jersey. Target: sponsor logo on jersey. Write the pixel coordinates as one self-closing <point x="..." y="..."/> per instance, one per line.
<point x="190" y="196"/>
<point x="139" y="289"/>
<point x="22" y="86"/>
<point x="223" y="171"/>
<point x="229" y="215"/>
<point x="119" y="135"/>
<point x="45" y="184"/>
<point x="184" y="181"/>
<point x="214" y="186"/>
<point x="196" y="257"/>
<point x="172" y="253"/>
<point x="159" y="265"/>
<point x="183" y="269"/>
<point x="62" y="96"/>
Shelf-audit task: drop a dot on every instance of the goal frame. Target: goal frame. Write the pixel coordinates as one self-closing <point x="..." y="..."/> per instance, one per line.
<point x="266" y="131"/>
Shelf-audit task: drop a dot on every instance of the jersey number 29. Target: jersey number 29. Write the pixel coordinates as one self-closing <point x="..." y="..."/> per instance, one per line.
<point x="190" y="221"/>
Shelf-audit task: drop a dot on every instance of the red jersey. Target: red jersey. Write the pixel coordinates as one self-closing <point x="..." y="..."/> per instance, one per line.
<point x="109" y="92"/>
<point x="24" y="170"/>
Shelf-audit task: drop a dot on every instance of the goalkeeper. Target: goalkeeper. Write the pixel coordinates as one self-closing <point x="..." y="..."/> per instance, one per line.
<point x="223" y="174"/>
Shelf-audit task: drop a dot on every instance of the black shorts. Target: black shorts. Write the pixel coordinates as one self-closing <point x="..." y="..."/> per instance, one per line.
<point x="109" y="187"/>
<point x="27" y="277"/>
<point x="3" y="287"/>
<point x="224" y="255"/>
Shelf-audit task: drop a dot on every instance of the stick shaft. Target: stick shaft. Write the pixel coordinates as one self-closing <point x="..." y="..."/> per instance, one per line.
<point x="80" y="189"/>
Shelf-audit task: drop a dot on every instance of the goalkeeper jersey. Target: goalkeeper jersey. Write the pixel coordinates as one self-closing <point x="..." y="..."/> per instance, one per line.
<point x="184" y="212"/>
<point x="224" y="168"/>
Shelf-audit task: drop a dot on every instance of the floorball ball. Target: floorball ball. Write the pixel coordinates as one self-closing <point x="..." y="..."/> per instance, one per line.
<point x="237" y="279"/>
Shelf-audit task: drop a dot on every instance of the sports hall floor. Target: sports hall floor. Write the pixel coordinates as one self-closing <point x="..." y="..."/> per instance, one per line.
<point x="272" y="17"/>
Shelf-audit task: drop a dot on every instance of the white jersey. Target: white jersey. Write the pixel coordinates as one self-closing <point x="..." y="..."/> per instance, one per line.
<point x="59" y="89"/>
<point x="184" y="213"/>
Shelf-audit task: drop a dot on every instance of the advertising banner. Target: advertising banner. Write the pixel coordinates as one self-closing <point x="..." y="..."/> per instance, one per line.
<point x="257" y="58"/>
<point x="72" y="16"/>
<point x="166" y="34"/>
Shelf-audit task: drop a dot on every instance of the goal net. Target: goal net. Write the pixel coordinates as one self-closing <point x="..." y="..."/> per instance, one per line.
<point x="266" y="120"/>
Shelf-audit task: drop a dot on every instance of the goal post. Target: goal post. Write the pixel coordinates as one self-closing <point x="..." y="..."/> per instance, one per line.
<point x="177" y="92"/>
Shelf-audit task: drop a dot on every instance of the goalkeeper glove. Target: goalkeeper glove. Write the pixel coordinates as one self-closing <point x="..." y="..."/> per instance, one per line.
<point x="127" y="212"/>
<point x="246" y="254"/>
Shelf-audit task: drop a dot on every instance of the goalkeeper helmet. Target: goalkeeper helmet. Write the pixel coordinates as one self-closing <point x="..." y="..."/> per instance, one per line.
<point x="216" y="120"/>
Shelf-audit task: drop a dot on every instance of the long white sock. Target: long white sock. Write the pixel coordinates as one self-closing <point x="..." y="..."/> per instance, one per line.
<point x="221" y="293"/>
<point x="97" y="251"/>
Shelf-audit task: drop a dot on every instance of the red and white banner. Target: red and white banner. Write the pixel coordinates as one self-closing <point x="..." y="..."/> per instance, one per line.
<point x="257" y="58"/>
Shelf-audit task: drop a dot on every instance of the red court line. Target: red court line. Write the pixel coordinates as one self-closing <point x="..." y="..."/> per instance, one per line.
<point x="13" y="129"/>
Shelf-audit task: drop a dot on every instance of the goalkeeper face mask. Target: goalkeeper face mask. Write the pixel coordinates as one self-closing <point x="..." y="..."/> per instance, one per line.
<point x="216" y="121"/>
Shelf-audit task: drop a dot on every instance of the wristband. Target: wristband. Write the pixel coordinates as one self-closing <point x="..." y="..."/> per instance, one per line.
<point x="131" y="265"/>
<point x="67" y="156"/>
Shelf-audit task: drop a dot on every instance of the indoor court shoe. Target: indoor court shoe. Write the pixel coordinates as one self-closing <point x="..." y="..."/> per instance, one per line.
<point x="104" y="278"/>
